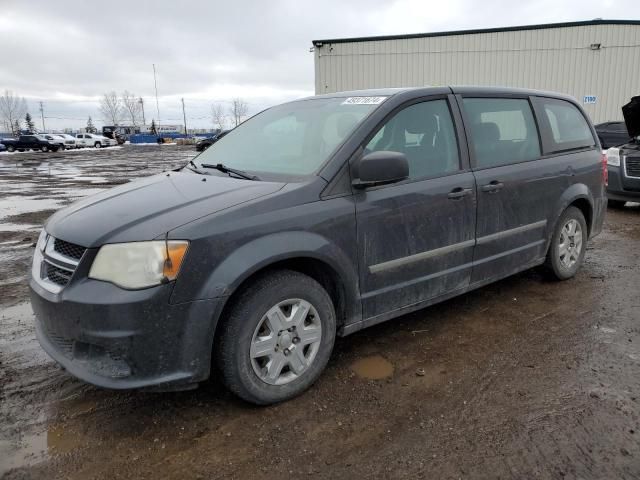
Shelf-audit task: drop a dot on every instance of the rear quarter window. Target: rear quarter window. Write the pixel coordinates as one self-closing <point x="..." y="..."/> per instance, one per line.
<point x="568" y="129"/>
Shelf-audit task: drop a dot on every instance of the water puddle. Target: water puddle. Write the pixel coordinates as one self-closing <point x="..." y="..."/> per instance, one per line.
<point x="374" y="367"/>
<point x="15" y="205"/>
<point x="606" y="329"/>
<point x="36" y="448"/>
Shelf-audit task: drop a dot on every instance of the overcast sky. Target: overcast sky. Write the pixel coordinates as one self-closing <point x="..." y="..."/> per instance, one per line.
<point x="67" y="53"/>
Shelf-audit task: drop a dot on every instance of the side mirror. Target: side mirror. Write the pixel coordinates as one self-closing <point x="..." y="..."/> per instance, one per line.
<point x="380" y="168"/>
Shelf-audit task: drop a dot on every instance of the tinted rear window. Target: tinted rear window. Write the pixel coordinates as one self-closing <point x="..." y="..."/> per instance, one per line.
<point x="569" y="128"/>
<point x="503" y="131"/>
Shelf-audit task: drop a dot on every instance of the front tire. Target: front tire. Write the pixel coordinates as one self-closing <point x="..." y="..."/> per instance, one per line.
<point x="568" y="245"/>
<point x="44" y="149"/>
<point x="11" y="148"/>
<point x="277" y="338"/>
<point x="97" y="145"/>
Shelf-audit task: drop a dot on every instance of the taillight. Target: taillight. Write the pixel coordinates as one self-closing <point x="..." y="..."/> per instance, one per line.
<point x="605" y="172"/>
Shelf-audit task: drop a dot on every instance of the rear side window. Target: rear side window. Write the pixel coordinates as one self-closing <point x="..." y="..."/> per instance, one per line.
<point x="569" y="129"/>
<point x="503" y="131"/>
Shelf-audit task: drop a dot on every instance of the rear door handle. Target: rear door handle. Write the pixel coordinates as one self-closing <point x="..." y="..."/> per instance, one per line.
<point x="492" y="187"/>
<point x="459" y="192"/>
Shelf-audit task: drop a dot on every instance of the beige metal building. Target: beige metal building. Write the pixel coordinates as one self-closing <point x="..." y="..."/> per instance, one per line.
<point x="597" y="61"/>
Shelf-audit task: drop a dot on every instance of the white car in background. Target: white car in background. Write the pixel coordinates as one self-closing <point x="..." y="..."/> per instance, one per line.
<point x="94" y="140"/>
<point x="69" y="140"/>
<point x="55" y="140"/>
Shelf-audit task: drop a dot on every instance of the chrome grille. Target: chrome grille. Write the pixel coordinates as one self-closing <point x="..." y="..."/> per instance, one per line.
<point x="57" y="275"/>
<point x="54" y="265"/>
<point x="68" y="249"/>
<point x="632" y="167"/>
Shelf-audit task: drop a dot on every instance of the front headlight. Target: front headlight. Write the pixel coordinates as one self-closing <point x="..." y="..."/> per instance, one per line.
<point x="36" y="262"/>
<point x="42" y="241"/>
<point x="139" y="264"/>
<point x="613" y="157"/>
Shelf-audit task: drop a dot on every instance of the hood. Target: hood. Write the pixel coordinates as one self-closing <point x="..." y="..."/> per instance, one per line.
<point x="631" y="113"/>
<point x="148" y="208"/>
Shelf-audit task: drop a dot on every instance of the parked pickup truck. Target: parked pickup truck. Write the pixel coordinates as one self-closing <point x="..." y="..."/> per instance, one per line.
<point x="93" y="140"/>
<point x="30" y="142"/>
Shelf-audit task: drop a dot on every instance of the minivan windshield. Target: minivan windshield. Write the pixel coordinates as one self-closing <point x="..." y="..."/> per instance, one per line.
<point x="291" y="139"/>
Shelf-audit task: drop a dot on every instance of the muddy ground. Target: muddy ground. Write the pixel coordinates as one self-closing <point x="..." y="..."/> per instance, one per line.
<point x="525" y="378"/>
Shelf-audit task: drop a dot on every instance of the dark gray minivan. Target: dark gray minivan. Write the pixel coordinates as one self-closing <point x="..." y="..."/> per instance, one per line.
<point x="313" y="219"/>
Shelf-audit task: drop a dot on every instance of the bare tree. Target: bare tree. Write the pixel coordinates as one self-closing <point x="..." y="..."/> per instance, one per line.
<point x="219" y="116"/>
<point x="12" y="110"/>
<point x="238" y="111"/>
<point x="132" y="107"/>
<point x="111" y="108"/>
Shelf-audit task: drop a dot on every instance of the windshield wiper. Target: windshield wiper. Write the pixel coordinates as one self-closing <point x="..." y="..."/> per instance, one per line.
<point x="195" y="167"/>
<point x="225" y="169"/>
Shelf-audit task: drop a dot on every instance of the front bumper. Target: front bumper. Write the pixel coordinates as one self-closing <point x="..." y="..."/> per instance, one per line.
<point x="621" y="187"/>
<point x="123" y="339"/>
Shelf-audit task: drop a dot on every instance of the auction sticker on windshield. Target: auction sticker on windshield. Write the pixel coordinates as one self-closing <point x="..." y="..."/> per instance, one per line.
<point x="364" y="100"/>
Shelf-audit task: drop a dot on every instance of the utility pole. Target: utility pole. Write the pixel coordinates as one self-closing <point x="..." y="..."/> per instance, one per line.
<point x="184" y="117"/>
<point x="155" y="83"/>
<point x="42" y="115"/>
<point x="141" y="102"/>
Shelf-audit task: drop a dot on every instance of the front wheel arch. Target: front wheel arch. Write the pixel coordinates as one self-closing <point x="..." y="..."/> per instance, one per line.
<point x="231" y="345"/>
<point x="316" y="269"/>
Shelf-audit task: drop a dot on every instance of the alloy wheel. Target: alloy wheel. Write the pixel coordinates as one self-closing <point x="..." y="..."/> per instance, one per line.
<point x="286" y="341"/>
<point x="570" y="245"/>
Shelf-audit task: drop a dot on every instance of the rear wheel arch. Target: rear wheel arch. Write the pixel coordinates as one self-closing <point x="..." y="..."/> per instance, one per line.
<point x="576" y="196"/>
<point x="585" y="206"/>
<point x="579" y="196"/>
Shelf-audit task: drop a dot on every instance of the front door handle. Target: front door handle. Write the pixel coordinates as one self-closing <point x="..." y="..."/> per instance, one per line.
<point x="459" y="192"/>
<point x="492" y="187"/>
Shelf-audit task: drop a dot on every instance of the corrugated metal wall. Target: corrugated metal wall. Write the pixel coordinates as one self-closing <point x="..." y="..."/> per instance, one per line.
<point x="557" y="59"/>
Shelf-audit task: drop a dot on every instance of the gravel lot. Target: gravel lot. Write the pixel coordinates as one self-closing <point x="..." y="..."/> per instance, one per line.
<point x="525" y="378"/>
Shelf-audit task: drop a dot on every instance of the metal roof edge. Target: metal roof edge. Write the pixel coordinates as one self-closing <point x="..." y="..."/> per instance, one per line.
<point x="541" y="26"/>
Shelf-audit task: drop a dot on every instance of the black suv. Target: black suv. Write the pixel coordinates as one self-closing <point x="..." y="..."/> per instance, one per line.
<point x="313" y="219"/>
<point x="624" y="161"/>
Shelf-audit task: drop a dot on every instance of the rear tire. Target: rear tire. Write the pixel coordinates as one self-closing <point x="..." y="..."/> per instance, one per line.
<point x="11" y="148"/>
<point x="568" y="245"/>
<point x="44" y="149"/>
<point x="616" y="203"/>
<point x="277" y="338"/>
